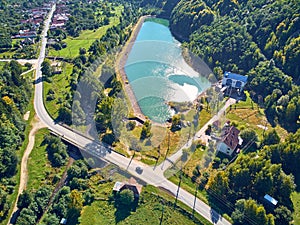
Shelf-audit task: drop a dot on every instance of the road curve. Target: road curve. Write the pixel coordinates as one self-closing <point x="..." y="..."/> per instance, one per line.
<point x="149" y="175"/>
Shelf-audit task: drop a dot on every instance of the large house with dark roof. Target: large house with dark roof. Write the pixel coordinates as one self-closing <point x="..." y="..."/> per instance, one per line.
<point x="229" y="141"/>
<point x="234" y="80"/>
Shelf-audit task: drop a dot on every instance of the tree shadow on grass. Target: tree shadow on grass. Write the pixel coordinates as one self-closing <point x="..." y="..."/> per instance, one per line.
<point x="123" y="211"/>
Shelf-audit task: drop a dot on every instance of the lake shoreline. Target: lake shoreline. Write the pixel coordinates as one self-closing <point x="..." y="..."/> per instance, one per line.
<point x="120" y="67"/>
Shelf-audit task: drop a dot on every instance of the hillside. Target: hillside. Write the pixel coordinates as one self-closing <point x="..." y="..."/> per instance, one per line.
<point x="255" y="38"/>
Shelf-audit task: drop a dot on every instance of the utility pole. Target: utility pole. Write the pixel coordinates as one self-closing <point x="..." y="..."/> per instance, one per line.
<point x="168" y="146"/>
<point x="195" y="200"/>
<point x="180" y="177"/>
<point x="162" y="213"/>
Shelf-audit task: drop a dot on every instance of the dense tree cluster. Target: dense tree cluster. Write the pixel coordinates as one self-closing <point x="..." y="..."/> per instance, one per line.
<point x="70" y="199"/>
<point x="288" y="154"/>
<point x="146" y="130"/>
<point x="32" y="205"/>
<point x="15" y="93"/>
<point x="226" y="44"/>
<point x="57" y="150"/>
<point x="189" y="16"/>
<point x="87" y="16"/>
<point x="272" y="171"/>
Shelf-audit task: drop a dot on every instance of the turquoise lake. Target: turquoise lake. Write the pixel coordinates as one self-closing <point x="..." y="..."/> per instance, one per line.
<point x="158" y="73"/>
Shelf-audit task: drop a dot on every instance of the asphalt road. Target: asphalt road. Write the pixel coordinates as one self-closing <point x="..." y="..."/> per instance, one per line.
<point x="149" y="175"/>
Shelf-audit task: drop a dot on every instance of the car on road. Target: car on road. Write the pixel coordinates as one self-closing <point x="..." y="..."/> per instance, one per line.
<point x="139" y="170"/>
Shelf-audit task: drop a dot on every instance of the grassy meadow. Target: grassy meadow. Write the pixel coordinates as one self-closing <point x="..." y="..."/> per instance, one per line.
<point x="247" y="114"/>
<point x="85" y="39"/>
<point x="148" y="211"/>
<point x="61" y="86"/>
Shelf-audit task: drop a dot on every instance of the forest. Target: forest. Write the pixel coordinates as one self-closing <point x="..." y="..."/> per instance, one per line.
<point x="15" y="93"/>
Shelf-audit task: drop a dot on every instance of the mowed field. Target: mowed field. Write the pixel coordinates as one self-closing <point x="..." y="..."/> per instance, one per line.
<point x="85" y="39"/>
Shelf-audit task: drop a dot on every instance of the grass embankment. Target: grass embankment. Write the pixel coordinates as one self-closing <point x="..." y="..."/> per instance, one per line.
<point x="194" y="159"/>
<point x="86" y="38"/>
<point x="159" y="20"/>
<point x="149" y="210"/>
<point x="61" y="86"/>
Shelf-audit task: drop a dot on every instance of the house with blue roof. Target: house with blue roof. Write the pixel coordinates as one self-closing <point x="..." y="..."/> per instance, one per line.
<point x="234" y="80"/>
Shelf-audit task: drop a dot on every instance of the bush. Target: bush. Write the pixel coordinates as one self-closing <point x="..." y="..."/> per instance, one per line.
<point x="130" y="125"/>
<point x="126" y="197"/>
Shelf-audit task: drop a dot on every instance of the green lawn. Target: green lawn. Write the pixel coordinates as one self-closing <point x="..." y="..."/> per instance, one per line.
<point x="187" y="168"/>
<point x="296" y="203"/>
<point x="2" y="64"/>
<point x="29" y="75"/>
<point x="148" y="211"/>
<point x="7" y="54"/>
<point x="85" y="39"/>
<point x="40" y="171"/>
<point x="61" y="86"/>
<point x="247" y="114"/>
<point x="37" y="162"/>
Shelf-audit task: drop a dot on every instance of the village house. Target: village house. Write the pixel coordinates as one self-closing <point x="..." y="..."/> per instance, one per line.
<point x="229" y="141"/>
<point x="26" y="34"/>
<point x="130" y="185"/>
<point x="234" y="81"/>
<point x="59" y="20"/>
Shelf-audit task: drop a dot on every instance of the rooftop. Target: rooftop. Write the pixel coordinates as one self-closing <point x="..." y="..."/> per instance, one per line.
<point x="236" y="76"/>
<point x="231" y="137"/>
<point x="271" y="199"/>
<point x="118" y="185"/>
<point x="131" y="184"/>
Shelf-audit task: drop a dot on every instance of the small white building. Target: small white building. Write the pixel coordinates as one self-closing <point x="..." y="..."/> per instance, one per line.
<point x="234" y="80"/>
<point x="63" y="221"/>
<point x="270" y="200"/>
<point x="230" y="140"/>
